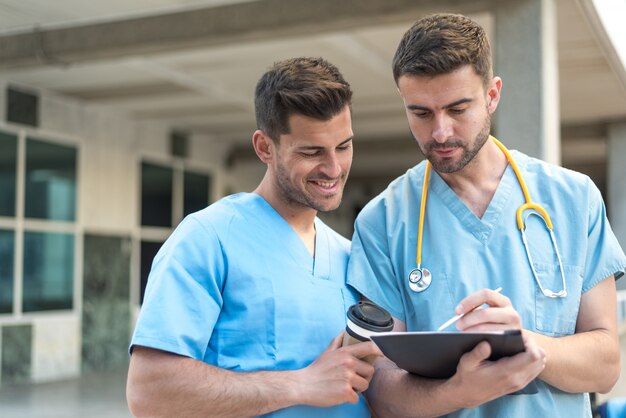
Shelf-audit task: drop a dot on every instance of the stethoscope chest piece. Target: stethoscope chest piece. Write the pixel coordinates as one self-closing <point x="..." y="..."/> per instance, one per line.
<point x="419" y="279"/>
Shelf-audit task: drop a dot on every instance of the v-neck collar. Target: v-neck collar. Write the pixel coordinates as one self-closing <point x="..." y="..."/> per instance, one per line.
<point x="293" y="244"/>
<point x="480" y="228"/>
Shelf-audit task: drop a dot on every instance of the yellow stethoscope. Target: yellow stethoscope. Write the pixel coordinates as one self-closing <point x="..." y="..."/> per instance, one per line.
<point x="420" y="278"/>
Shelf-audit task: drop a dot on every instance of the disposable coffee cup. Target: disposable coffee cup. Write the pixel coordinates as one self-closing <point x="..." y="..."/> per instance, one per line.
<point x="365" y="319"/>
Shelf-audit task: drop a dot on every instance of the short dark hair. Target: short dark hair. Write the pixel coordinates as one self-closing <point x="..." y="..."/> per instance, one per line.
<point x="310" y="87"/>
<point x="441" y="43"/>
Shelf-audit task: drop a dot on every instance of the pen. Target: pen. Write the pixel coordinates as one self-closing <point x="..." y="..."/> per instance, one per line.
<point x="459" y="316"/>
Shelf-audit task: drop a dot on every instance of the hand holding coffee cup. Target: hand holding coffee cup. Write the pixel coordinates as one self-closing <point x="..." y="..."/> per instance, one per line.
<point x="365" y="319"/>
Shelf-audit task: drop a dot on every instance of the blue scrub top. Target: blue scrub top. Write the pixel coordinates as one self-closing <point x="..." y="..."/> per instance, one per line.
<point x="236" y="287"/>
<point x="465" y="254"/>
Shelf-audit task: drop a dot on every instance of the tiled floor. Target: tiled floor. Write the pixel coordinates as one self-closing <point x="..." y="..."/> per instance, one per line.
<point x="93" y="396"/>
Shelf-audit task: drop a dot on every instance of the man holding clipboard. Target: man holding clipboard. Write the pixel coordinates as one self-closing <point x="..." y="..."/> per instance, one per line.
<point x="444" y="234"/>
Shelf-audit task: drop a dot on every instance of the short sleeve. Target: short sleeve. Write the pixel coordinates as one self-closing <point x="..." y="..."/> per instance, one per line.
<point x="604" y="257"/>
<point x="370" y="270"/>
<point x="183" y="296"/>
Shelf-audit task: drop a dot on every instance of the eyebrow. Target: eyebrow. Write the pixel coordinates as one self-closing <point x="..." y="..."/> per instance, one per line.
<point x="448" y="106"/>
<point x="315" y="147"/>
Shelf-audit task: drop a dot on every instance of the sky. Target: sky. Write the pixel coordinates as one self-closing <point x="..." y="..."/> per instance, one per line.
<point x="613" y="14"/>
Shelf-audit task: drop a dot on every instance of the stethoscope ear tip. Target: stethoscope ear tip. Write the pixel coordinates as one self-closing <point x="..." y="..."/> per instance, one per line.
<point x="554" y="295"/>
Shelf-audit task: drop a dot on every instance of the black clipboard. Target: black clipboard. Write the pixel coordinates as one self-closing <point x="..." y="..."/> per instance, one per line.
<point x="437" y="354"/>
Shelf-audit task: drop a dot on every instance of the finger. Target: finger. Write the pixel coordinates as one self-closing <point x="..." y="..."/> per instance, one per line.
<point x="507" y="317"/>
<point x="360" y="384"/>
<point x="336" y="342"/>
<point x="535" y="352"/>
<point x="364" y="369"/>
<point x="353" y="397"/>
<point x="363" y="349"/>
<point x="473" y="359"/>
<point x="488" y="327"/>
<point x="527" y="364"/>
<point x="385" y="363"/>
<point x="483" y="296"/>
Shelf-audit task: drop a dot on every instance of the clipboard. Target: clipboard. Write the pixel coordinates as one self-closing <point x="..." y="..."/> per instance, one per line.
<point x="437" y="354"/>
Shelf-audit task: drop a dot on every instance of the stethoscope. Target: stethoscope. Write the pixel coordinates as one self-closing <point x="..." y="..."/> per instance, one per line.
<point x="420" y="278"/>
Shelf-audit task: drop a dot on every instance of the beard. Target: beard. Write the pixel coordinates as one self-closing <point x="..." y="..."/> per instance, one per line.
<point x="300" y="198"/>
<point x="449" y="165"/>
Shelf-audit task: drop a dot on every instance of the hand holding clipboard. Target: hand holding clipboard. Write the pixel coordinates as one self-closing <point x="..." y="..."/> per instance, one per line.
<point x="437" y="354"/>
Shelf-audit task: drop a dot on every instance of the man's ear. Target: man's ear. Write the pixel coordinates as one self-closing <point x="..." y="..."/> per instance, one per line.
<point x="263" y="146"/>
<point x="493" y="94"/>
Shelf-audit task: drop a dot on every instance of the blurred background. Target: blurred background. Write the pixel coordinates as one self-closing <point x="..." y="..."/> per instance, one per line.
<point x="118" y="118"/>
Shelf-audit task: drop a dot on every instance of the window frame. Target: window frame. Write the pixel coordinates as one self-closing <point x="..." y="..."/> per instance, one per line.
<point x="19" y="224"/>
<point x="157" y="234"/>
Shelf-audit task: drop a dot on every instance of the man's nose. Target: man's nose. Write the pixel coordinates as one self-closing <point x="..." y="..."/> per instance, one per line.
<point x="443" y="128"/>
<point x="331" y="165"/>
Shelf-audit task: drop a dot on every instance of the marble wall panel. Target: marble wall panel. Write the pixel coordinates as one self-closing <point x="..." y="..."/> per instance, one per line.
<point x="106" y="317"/>
<point x="15" y="366"/>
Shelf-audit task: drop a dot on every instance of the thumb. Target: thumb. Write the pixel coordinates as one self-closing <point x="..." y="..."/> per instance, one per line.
<point x="336" y="342"/>
<point x="479" y="354"/>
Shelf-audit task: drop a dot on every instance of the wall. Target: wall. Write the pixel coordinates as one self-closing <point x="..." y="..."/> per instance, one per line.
<point x="93" y="335"/>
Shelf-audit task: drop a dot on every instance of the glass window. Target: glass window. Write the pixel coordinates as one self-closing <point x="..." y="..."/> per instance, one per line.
<point x="50" y="181"/>
<point x="22" y="107"/>
<point x="196" y="192"/>
<point x="148" y="251"/>
<point x="156" y="195"/>
<point x="8" y="161"/>
<point x="48" y="271"/>
<point x="7" y="245"/>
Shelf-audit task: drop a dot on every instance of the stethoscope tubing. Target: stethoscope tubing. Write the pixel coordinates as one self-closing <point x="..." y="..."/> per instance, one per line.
<point x="420" y="278"/>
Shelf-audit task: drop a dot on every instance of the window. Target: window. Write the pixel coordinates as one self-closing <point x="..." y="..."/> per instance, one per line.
<point x="156" y="195"/>
<point x="38" y="231"/>
<point x="8" y="159"/>
<point x="168" y="193"/>
<point x="148" y="251"/>
<point x="196" y="192"/>
<point x="22" y="107"/>
<point x="50" y="181"/>
<point x="7" y="251"/>
<point x="48" y="271"/>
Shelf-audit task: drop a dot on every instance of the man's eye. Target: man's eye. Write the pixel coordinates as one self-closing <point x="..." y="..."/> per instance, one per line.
<point x="310" y="154"/>
<point x="457" y="111"/>
<point x="422" y="115"/>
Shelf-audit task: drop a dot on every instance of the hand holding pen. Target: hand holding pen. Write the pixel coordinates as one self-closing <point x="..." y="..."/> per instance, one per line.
<point x="499" y="316"/>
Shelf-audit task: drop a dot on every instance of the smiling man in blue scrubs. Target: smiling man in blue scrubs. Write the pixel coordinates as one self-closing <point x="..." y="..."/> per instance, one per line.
<point x="246" y="301"/>
<point x="563" y="301"/>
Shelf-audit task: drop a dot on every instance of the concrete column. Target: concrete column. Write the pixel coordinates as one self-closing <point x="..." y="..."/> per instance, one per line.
<point x="525" y="56"/>
<point x="616" y="172"/>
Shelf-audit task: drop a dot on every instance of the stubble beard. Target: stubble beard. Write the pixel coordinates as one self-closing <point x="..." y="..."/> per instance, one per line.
<point x="451" y="166"/>
<point x="297" y="198"/>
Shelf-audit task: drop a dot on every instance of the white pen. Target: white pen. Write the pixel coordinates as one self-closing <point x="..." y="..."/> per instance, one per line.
<point x="459" y="316"/>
